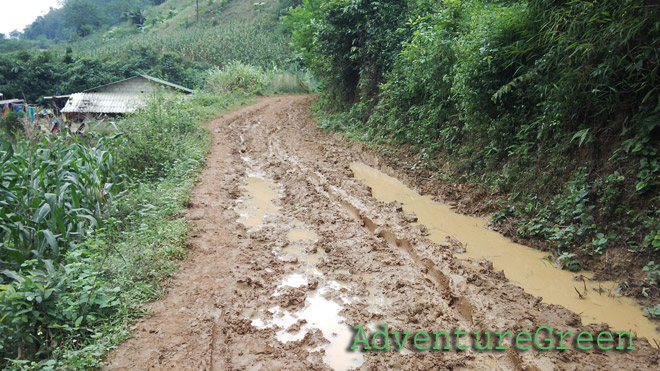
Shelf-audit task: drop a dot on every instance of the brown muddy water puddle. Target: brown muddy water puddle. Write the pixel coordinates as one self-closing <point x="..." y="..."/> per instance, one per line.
<point x="301" y="245"/>
<point x="522" y="265"/>
<point x="301" y="235"/>
<point x="258" y="201"/>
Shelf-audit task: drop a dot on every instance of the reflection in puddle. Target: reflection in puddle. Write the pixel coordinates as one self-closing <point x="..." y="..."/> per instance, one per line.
<point x="282" y="319"/>
<point x="259" y="201"/>
<point x="295" y="280"/>
<point x="323" y="314"/>
<point x="524" y="266"/>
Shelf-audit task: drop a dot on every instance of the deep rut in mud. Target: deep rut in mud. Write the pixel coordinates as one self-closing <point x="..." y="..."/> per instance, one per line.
<point x="290" y="251"/>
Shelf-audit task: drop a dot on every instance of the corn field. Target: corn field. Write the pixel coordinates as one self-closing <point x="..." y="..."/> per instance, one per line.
<point x="51" y="195"/>
<point x="254" y="44"/>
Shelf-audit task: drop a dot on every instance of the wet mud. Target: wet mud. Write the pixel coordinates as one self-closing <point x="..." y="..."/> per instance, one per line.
<point x="290" y="251"/>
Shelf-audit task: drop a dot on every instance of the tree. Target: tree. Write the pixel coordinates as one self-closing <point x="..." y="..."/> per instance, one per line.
<point x="351" y="43"/>
<point x="83" y="15"/>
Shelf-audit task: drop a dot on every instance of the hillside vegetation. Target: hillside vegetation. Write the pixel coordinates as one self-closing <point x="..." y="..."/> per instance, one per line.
<point x="553" y="106"/>
<point x="166" y="41"/>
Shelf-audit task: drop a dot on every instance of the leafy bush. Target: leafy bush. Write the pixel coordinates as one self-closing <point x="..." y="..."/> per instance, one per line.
<point x="350" y="44"/>
<point x="156" y="137"/>
<point x="43" y="306"/>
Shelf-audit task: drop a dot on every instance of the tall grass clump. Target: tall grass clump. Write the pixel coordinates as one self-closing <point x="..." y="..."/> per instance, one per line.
<point x="237" y="77"/>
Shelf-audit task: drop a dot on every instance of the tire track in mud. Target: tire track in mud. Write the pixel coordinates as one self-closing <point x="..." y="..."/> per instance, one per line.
<point x="244" y="299"/>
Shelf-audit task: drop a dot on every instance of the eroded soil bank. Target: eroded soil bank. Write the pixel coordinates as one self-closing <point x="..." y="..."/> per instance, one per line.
<point x="290" y="251"/>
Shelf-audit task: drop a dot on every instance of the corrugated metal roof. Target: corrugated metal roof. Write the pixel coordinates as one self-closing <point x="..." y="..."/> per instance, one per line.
<point x="154" y="79"/>
<point x="104" y="103"/>
<point x="8" y="101"/>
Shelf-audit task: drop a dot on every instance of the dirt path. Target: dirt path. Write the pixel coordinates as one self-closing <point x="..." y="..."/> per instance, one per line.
<point x="280" y="285"/>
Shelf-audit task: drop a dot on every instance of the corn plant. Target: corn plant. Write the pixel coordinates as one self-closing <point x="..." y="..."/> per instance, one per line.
<point x="52" y="194"/>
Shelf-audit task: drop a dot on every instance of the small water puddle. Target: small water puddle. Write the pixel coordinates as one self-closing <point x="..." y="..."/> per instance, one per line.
<point x="302" y="246"/>
<point x="301" y="235"/>
<point x="258" y="201"/>
<point x="524" y="266"/>
<point x="324" y="314"/>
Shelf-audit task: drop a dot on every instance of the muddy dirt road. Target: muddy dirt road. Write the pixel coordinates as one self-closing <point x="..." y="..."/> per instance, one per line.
<point x="290" y="251"/>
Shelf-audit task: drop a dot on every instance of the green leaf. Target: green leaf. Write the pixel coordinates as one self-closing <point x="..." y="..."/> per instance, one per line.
<point x="49" y="267"/>
<point x="42" y="212"/>
<point x="51" y="240"/>
<point x="13" y="275"/>
<point x="582" y="134"/>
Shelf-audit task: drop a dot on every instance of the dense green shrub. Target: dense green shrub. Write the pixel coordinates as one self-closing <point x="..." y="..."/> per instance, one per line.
<point x="156" y="137"/>
<point x="350" y="44"/>
<point x="44" y="306"/>
<point x="10" y="125"/>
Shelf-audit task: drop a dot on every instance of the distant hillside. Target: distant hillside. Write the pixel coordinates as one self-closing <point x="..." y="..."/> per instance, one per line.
<point x="226" y="30"/>
<point x="168" y="40"/>
<point x="83" y="17"/>
<point x="105" y="26"/>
